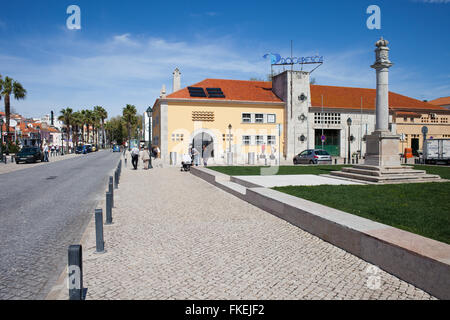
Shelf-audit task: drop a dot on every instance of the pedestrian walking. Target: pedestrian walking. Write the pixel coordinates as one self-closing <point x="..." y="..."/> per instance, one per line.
<point x="46" y="153"/>
<point x="205" y="155"/>
<point x="145" y="158"/>
<point x="195" y="156"/>
<point x="135" y="157"/>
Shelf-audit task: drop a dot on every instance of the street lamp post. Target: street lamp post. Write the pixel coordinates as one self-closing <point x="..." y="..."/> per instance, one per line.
<point x="349" y="123"/>
<point x="149" y="114"/>
<point x="1" y="138"/>
<point x="230" y="155"/>
<point x="229" y="135"/>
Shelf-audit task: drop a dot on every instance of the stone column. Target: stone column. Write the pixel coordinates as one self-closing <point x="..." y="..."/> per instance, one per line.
<point x="382" y="65"/>
<point x="382" y="145"/>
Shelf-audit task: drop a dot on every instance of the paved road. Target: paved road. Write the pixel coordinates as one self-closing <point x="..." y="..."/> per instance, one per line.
<point x="43" y="210"/>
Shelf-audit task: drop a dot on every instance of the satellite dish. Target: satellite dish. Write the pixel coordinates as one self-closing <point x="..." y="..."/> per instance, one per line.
<point x="12" y="123"/>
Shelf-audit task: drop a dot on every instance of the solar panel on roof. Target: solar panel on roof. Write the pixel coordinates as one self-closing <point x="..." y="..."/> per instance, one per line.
<point x="196" y="92"/>
<point x="215" y="93"/>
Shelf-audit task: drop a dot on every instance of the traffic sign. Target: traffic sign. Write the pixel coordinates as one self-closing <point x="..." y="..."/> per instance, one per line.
<point x="424" y="130"/>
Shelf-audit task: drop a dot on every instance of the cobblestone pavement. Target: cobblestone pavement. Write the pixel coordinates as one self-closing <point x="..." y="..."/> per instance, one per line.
<point x="12" y="166"/>
<point x="177" y="237"/>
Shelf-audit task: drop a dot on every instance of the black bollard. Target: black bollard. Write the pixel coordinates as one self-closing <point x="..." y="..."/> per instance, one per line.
<point x="108" y="208"/>
<point x="100" y="244"/>
<point x="356" y="160"/>
<point x="335" y="160"/>
<point x="75" y="270"/>
<point x="111" y="190"/>
<point x="345" y="159"/>
<point x="353" y="161"/>
<point x="116" y="179"/>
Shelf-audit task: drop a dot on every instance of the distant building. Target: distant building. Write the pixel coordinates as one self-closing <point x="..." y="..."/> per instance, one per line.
<point x="443" y="102"/>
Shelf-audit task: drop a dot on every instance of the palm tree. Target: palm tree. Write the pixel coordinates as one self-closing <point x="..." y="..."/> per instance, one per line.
<point x="102" y="115"/>
<point x="88" y="122"/>
<point x="10" y="87"/>
<point x="77" y="122"/>
<point x="129" y="115"/>
<point x="66" y="118"/>
<point x="96" y="125"/>
<point x="82" y="118"/>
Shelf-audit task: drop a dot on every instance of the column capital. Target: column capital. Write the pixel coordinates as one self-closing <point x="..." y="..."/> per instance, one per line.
<point x="382" y="55"/>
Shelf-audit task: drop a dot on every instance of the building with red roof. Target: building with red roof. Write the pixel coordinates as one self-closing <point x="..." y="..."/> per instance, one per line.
<point x="308" y="116"/>
<point x="443" y="102"/>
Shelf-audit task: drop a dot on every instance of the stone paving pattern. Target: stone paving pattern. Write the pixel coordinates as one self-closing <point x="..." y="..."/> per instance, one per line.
<point x="177" y="237"/>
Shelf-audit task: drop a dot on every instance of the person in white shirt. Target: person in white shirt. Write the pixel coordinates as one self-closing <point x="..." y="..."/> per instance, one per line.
<point x="135" y="157"/>
<point x="46" y="153"/>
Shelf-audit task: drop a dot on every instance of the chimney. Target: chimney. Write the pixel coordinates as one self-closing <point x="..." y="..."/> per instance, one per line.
<point x="163" y="94"/>
<point x="176" y="80"/>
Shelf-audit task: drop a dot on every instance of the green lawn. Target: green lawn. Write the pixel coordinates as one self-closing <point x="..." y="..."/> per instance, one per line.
<point x="421" y="208"/>
<point x="256" y="171"/>
<point x="444" y="172"/>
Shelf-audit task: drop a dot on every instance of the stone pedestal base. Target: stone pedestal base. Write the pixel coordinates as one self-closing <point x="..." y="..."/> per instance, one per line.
<point x="382" y="163"/>
<point x="382" y="149"/>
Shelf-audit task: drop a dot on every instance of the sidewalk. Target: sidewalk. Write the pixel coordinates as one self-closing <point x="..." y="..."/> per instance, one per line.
<point x="176" y="236"/>
<point x="13" y="166"/>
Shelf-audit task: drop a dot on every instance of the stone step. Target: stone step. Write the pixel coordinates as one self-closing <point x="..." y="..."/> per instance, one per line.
<point x="383" y="172"/>
<point x="386" y="178"/>
<point x="387" y="168"/>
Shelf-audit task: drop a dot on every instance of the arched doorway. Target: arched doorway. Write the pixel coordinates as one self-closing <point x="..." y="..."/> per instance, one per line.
<point x="204" y="143"/>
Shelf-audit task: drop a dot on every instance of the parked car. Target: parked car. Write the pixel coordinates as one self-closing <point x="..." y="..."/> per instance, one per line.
<point x="29" y="154"/>
<point x="79" y="149"/>
<point x="94" y="148"/>
<point x="313" y="156"/>
<point x="87" y="148"/>
<point x="116" y="148"/>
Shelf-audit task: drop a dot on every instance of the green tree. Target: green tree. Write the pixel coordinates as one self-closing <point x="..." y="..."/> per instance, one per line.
<point x="102" y="115"/>
<point x="10" y="87"/>
<point x="66" y="118"/>
<point x="88" y="122"/>
<point x="129" y="116"/>
<point x="116" y="130"/>
<point x="77" y="122"/>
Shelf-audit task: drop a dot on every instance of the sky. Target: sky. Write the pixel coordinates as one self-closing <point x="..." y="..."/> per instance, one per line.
<point x="126" y="50"/>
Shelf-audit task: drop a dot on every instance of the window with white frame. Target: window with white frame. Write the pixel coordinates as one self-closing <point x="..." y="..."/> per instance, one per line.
<point x="271" y="118"/>
<point x="246" y="117"/>
<point x="246" y="140"/>
<point x="259" y="140"/>
<point x="271" y="140"/>
<point x="327" y="118"/>
<point x="259" y="118"/>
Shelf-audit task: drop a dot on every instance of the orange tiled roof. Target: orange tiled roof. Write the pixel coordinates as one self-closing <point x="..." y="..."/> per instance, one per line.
<point x="258" y="91"/>
<point x="333" y="96"/>
<point x="350" y="98"/>
<point x="440" y="101"/>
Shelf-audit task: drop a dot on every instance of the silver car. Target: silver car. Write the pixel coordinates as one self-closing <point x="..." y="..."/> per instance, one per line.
<point x="313" y="156"/>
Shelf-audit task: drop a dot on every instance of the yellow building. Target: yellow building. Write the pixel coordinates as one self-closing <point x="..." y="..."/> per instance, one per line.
<point x="409" y="124"/>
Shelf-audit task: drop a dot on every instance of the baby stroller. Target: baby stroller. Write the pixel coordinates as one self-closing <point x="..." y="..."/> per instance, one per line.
<point x="186" y="163"/>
